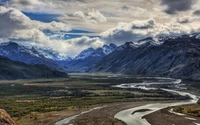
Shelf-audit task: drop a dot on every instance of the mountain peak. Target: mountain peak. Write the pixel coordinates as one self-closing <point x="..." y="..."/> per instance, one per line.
<point x="105" y="50"/>
<point x="10" y="44"/>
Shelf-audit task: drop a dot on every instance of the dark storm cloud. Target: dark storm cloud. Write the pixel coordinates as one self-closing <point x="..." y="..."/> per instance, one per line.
<point x="174" y="6"/>
<point x="197" y="12"/>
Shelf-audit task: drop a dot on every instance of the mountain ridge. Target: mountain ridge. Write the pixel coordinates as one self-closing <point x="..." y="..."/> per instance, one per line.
<point x="17" y="70"/>
<point x="28" y="55"/>
<point x="175" y="57"/>
<point x="88" y="58"/>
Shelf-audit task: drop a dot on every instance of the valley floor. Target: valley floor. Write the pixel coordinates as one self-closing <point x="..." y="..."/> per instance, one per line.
<point x="46" y="101"/>
<point x="164" y="117"/>
<point x="104" y="116"/>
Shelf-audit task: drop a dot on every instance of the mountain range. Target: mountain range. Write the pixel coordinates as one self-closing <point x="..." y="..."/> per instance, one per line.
<point x="177" y="57"/>
<point x="89" y="58"/>
<point x="52" y="59"/>
<point x="174" y="57"/>
<point x="29" y="55"/>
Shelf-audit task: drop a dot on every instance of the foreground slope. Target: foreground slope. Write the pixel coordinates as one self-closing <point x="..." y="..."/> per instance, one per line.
<point x="5" y="118"/>
<point x="17" y="70"/>
<point x="175" y="57"/>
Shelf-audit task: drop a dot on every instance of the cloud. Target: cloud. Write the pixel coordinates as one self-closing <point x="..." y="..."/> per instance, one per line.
<point x="18" y="27"/>
<point x="86" y="41"/>
<point x="174" y="6"/>
<point x="93" y="16"/>
<point x="113" y="11"/>
<point x="181" y="17"/>
<point x="197" y="12"/>
<point x="184" y="19"/>
<point x="133" y="10"/>
<point x="137" y="30"/>
<point x="26" y="2"/>
<point x="13" y="21"/>
<point x="71" y="47"/>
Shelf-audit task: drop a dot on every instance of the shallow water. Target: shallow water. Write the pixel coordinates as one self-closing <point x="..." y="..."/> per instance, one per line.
<point x="67" y="120"/>
<point x="136" y="119"/>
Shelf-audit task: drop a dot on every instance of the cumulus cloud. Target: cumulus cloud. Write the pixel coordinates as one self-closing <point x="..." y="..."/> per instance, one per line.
<point x="13" y="21"/>
<point x="93" y="16"/>
<point x="133" y="10"/>
<point x="178" y="17"/>
<point x="174" y="6"/>
<point x="71" y="47"/>
<point x="18" y="27"/>
<point x="137" y="30"/>
<point x="33" y="5"/>
<point x="26" y="2"/>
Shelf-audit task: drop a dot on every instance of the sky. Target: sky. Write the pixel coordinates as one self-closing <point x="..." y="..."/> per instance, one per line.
<point x="70" y="26"/>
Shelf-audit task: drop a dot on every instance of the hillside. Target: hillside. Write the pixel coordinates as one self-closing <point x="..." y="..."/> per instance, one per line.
<point x="5" y="118"/>
<point x="30" y="55"/>
<point x="175" y="57"/>
<point x="17" y="70"/>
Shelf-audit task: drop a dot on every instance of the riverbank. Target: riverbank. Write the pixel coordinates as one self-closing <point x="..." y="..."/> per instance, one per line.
<point x="105" y="116"/>
<point x="164" y="117"/>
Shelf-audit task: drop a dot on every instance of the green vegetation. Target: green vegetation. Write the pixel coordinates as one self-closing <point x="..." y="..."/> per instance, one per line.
<point x="21" y="97"/>
<point x="193" y="110"/>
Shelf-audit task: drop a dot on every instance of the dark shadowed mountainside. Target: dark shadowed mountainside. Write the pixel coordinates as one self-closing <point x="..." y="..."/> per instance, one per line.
<point x="88" y="58"/>
<point x="16" y="70"/>
<point x="175" y="57"/>
<point x="28" y="55"/>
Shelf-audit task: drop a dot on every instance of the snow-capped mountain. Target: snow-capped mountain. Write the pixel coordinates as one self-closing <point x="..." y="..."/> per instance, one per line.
<point x="107" y="49"/>
<point x="91" y="52"/>
<point x="88" y="58"/>
<point x="50" y="54"/>
<point x="30" y="55"/>
<point x="85" y="54"/>
<point x="176" y="57"/>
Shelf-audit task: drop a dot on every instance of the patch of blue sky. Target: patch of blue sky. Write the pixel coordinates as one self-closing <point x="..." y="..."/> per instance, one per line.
<point x="43" y="17"/>
<point x="63" y="36"/>
<point x="2" y="2"/>
<point x="74" y="33"/>
<point x="79" y="31"/>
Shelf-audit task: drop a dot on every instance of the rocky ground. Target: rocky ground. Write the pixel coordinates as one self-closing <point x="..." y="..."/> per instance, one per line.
<point x="5" y="118"/>
<point x="105" y="116"/>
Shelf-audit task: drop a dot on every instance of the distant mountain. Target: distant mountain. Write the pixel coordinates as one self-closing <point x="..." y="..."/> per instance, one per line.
<point x="31" y="55"/>
<point x="88" y="58"/>
<point x="52" y="59"/>
<point x="17" y="70"/>
<point x="177" y="57"/>
<point x="53" y="55"/>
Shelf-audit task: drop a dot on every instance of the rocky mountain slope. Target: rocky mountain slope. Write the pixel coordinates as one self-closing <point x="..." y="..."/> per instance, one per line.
<point x="175" y="57"/>
<point x="34" y="55"/>
<point x="16" y="70"/>
<point x="30" y="55"/>
<point x="88" y="58"/>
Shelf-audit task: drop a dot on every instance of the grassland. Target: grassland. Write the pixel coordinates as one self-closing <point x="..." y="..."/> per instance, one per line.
<point x="26" y="97"/>
<point x="192" y="110"/>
